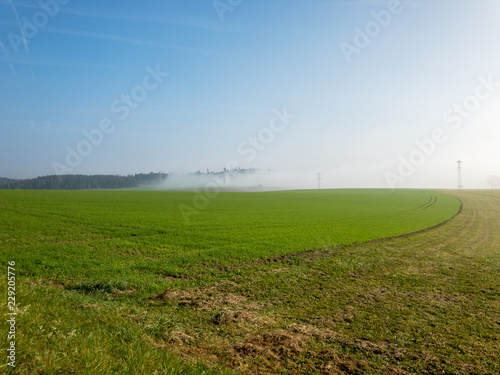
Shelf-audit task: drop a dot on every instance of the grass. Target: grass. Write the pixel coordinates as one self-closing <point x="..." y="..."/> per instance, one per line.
<point x="425" y="303"/>
<point x="131" y="238"/>
<point x="64" y="332"/>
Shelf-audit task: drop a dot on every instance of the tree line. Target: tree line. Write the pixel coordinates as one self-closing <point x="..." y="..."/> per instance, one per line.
<point x="83" y="182"/>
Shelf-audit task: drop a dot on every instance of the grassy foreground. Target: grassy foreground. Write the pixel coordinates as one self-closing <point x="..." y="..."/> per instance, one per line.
<point x="426" y="303"/>
<point x="105" y="240"/>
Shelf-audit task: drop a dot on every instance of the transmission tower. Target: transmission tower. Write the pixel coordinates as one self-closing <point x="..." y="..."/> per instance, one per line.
<point x="460" y="174"/>
<point x="319" y="180"/>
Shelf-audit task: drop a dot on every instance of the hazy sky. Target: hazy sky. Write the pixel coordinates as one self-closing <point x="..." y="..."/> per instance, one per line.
<point x="370" y="93"/>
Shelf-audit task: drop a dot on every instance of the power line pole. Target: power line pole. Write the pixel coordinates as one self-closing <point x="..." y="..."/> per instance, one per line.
<point x="319" y="180"/>
<point x="460" y="174"/>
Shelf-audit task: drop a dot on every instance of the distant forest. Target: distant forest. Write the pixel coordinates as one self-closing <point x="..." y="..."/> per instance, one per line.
<point x="82" y="182"/>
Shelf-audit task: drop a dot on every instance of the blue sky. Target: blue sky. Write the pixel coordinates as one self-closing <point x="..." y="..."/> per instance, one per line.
<point x="357" y="118"/>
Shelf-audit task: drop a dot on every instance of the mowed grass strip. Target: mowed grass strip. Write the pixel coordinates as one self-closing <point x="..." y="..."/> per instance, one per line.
<point x="122" y="239"/>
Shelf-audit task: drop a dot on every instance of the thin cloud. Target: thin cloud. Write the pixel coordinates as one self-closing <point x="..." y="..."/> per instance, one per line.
<point x="62" y="64"/>
<point x="25" y="42"/>
<point x="372" y="3"/>
<point x="206" y="23"/>
<point x="360" y="2"/>
<point x="116" y="38"/>
<point x="168" y="19"/>
<point x="165" y="19"/>
<point x="5" y="50"/>
<point x="6" y="53"/>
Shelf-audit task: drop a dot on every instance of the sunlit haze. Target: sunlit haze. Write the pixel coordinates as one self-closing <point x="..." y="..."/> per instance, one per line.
<point x="368" y="93"/>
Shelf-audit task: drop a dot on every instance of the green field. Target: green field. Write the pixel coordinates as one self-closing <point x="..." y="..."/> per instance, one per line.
<point x="277" y="282"/>
<point x="136" y="238"/>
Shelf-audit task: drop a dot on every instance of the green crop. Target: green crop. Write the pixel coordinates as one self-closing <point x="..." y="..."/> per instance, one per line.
<point x="103" y="240"/>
